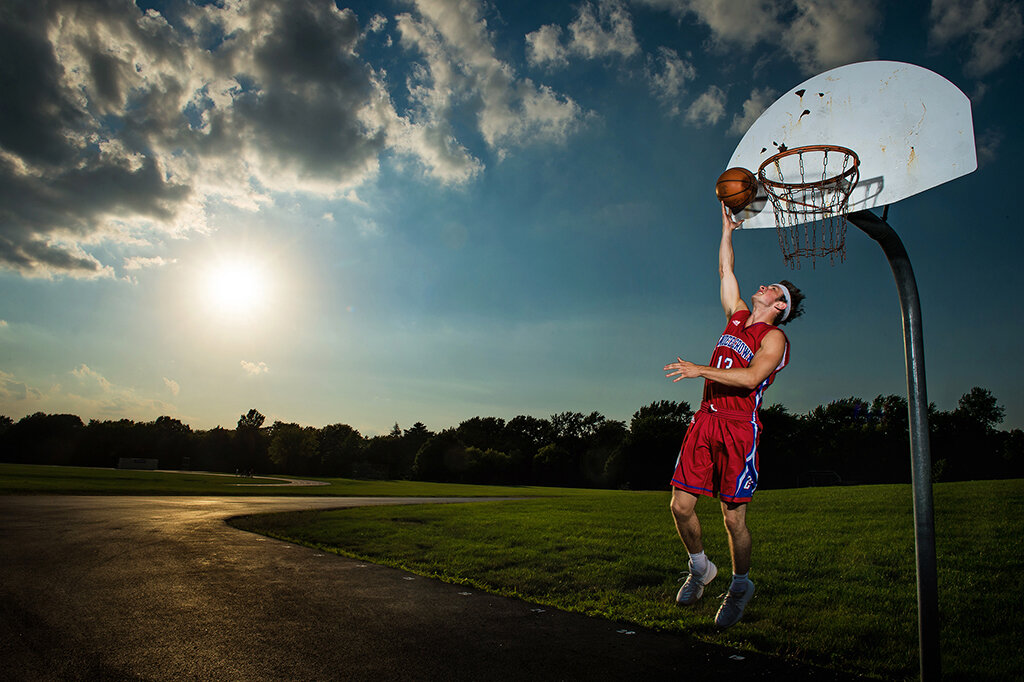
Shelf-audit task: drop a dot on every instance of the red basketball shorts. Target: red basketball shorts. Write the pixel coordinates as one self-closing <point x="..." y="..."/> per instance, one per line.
<point x="719" y="457"/>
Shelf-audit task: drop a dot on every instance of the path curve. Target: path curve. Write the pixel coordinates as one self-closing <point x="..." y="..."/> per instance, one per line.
<point x="155" y="588"/>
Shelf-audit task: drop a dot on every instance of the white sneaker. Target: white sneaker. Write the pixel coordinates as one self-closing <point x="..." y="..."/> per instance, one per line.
<point x="731" y="610"/>
<point x="693" y="588"/>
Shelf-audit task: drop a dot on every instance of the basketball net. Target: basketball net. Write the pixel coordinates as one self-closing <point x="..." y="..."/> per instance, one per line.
<point x="809" y="188"/>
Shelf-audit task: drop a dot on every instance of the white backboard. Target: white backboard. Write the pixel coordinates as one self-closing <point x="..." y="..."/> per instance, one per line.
<point x="911" y="129"/>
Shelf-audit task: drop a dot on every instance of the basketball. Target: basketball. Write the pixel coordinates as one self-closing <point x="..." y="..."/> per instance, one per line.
<point x="736" y="188"/>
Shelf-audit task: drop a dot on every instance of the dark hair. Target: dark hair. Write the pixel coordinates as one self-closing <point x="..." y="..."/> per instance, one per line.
<point x="796" y="308"/>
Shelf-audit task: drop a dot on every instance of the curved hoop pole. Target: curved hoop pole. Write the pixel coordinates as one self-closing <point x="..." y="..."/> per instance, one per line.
<point x="920" y="450"/>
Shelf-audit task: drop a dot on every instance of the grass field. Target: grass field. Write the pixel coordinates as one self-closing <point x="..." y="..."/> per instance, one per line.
<point x="34" y="479"/>
<point x="834" y="567"/>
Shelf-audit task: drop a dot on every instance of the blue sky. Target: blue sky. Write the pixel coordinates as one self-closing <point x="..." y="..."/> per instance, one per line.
<point x="381" y="212"/>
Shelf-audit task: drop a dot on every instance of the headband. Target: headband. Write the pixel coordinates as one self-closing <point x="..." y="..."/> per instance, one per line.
<point x="789" y="301"/>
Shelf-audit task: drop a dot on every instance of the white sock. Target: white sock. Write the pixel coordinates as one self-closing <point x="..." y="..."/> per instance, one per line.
<point x="740" y="583"/>
<point x="699" y="563"/>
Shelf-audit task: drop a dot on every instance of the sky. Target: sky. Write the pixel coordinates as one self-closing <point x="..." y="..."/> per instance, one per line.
<point x="428" y="210"/>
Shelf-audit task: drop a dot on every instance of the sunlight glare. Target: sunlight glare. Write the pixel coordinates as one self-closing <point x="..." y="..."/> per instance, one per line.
<point x="236" y="288"/>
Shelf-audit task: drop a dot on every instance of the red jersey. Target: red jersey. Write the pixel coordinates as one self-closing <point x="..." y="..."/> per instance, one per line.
<point x="736" y="348"/>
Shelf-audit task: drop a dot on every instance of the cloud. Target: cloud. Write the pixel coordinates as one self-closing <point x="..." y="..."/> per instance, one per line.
<point x="829" y="33"/>
<point x="817" y="34"/>
<point x="544" y="48"/>
<point x="122" y="126"/>
<point x="96" y="396"/>
<point x="759" y="100"/>
<point x="461" y="73"/>
<point x="172" y="386"/>
<point x="143" y="262"/>
<point x="708" y="109"/>
<point x="667" y="75"/>
<point x="116" y="116"/>
<point x="254" y="368"/>
<point x="604" y="30"/>
<point x="731" y="22"/>
<point x="14" y="391"/>
<point x="991" y="30"/>
<point x="89" y="377"/>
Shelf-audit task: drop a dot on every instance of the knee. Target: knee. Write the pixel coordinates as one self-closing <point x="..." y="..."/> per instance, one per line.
<point x="735" y="525"/>
<point x="681" y="507"/>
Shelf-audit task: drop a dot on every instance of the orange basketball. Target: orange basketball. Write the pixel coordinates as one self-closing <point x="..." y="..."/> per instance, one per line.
<point x="736" y="188"/>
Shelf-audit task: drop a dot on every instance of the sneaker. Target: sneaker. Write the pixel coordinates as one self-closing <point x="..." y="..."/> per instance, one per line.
<point x="731" y="610"/>
<point x="693" y="588"/>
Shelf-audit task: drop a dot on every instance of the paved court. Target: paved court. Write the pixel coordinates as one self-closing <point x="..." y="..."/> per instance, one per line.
<point x="160" y="588"/>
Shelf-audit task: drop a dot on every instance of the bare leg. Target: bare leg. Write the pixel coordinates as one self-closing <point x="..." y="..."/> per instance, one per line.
<point x="735" y="516"/>
<point x="687" y="523"/>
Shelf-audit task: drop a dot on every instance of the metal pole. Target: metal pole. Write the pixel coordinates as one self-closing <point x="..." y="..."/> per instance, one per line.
<point x="920" y="452"/>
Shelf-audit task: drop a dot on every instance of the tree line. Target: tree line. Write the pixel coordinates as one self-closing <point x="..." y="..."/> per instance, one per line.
<point x="847" y="441"/>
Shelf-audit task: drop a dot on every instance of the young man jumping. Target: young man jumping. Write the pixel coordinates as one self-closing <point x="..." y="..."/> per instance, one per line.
<point x="719" y="453"/>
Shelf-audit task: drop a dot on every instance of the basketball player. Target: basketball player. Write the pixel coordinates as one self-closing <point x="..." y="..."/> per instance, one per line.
<point x="719" y="453"/>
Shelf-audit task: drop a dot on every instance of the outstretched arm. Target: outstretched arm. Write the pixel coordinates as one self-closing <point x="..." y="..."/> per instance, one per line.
<point x="730" y="290"/>
<point x="764" y="362"/>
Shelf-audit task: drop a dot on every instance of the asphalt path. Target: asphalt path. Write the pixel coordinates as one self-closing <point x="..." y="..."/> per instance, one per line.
<point x="161" y="588"/>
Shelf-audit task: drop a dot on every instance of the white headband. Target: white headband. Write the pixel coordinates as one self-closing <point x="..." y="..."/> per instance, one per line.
<point x="789" y="301"/>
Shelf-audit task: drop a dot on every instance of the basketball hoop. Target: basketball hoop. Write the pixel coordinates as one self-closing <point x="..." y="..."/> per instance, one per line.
<point x="810" y="200"/>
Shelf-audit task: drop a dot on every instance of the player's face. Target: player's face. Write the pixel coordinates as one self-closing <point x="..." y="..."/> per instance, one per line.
<point x="768" y="294"/>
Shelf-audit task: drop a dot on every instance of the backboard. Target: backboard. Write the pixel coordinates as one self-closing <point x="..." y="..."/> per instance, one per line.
<point x="911" y="129"/>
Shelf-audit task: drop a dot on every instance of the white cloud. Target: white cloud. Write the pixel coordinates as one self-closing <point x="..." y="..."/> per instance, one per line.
<point x="759" y="100"/>
<point x="462" y="71"/>
<point x="992" y="30"/>
<point x="667" y="75"/>
<point x="14" y="391"/>
<point x="731" y="22"/>
<point x="606" y="30"/>
<point x="172" y="386"/>
<point x="708" y="109"/>
<point x="254" y="368"/>
<point x="829" y="33"/>
<point x="142" y="262"/>
<point x="89" y="376"/>
<point x="818" y="34"/>
<point x="543" y="47"/>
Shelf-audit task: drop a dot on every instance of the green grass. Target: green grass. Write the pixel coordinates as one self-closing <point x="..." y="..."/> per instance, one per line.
<point x="59" y="480"/>
<point x="834" y="567"/>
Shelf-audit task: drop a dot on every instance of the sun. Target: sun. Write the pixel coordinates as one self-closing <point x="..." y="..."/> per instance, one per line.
<point x="236" y="288"/>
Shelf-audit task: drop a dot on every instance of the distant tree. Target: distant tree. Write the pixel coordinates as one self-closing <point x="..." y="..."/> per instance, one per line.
<point x="252" y="443"/>
<point x="341" y="450"/>
<point x="606" y="439"/>
<point x="644" y="458"/>
<point x="555" y="465"/>
<point x="488" y="466"/>
<point x="964" y="442"/>
<point x="524" y="436"/>
<point x="442" y="458"/>
<point x="482" y="432"/>
<point x="251" y="420"/>
<point x="782" y="450"/>
<point x="979" y="407"/>
<point x="43" y="438"/>
<point x="293" y="448"/>
<point x="213" y="450"/>
<point x="170" y="442"/>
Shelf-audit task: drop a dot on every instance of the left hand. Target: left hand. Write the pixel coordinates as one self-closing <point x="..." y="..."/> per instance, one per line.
<point x="681" y="369"/>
